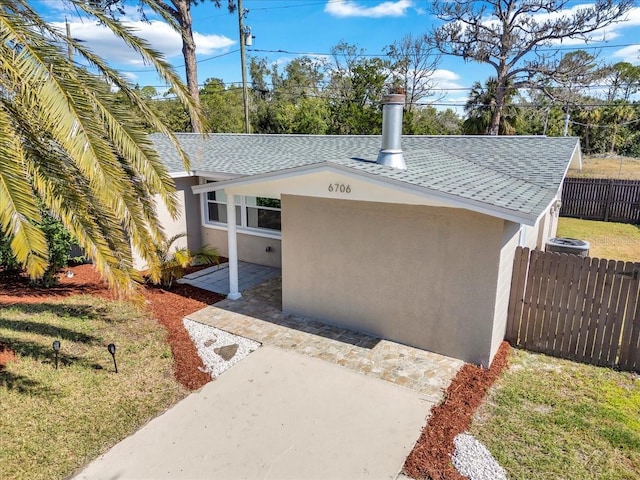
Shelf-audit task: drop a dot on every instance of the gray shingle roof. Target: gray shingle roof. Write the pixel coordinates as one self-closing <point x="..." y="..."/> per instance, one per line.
<point x="520" y="174"/>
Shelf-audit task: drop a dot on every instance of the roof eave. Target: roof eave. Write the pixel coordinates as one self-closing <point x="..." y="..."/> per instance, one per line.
<point x="454" y="201"/>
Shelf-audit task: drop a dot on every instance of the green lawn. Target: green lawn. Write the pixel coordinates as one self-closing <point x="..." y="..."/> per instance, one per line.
<point x="613" y="241"/>
<point x="54" y="421"/>
<point x="626" y="168"/>
<point x="547" y="418"/>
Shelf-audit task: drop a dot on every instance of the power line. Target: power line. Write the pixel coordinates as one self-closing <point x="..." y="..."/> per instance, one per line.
<point x="254" y="9"/>
<point x="441" y="103"/>
<point x="591" y="125"/>
<point x="180" y="66"/>
<point x="433" y="89"/>
<point x="549" y="49"/>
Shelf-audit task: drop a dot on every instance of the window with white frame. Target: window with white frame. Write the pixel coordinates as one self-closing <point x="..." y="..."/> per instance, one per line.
<point x="217" y="208"/>
<point x="251" y="212"/>
<point x="262" y="212"/>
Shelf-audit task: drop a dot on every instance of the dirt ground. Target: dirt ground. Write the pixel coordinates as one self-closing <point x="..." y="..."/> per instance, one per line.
<point x="430" y="457"/>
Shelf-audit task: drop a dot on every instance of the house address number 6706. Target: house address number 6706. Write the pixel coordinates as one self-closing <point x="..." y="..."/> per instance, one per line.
<point x="339" y="187"/>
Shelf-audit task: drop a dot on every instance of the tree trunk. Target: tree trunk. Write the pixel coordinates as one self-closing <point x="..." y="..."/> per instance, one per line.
<point x="496" y="114"/>
<point x="189" y="54"/>
<point x="613" y="138"/>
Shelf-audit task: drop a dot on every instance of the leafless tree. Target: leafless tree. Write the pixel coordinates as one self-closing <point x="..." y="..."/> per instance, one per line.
<point x="515" y="36"/>
<point x="413" y="67"/>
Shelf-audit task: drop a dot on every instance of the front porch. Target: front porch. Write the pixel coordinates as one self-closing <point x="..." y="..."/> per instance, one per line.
<point x="216" y="278"/>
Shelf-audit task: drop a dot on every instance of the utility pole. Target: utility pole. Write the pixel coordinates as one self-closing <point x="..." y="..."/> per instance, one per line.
<point x="69" y="48"/>
<point x="243" y="35"/>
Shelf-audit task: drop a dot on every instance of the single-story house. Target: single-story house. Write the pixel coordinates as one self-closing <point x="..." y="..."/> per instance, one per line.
<point x="406" y="238"/>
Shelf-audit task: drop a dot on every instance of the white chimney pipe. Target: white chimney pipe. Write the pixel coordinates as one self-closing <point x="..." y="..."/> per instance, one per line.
<point x="391" y="152"/>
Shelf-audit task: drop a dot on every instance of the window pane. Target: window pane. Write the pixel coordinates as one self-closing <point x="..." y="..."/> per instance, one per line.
<point x="218" y="196"/>
<point x="259" y="218"/>
<point x="218" y="213"/>
<point x="268" y="202"/>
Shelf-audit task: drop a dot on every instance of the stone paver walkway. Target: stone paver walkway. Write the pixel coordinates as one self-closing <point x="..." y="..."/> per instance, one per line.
<point x="216" y="278"/>
<point x="258" y="316"/>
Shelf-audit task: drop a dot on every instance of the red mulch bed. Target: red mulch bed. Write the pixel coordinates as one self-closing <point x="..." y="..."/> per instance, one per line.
<point x="430" y="457"/>
<point x="6" y="355"/>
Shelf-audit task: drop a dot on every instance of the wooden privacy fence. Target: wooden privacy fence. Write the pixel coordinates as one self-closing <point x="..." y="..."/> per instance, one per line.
<point x="601" y="199"/>
<point x="580" y="308"/>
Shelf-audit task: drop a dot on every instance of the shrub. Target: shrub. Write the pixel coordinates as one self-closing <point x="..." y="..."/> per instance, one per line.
<point x="8" y="261"/>
<point x="58" y="245"/>
<point x="173" y="262"/>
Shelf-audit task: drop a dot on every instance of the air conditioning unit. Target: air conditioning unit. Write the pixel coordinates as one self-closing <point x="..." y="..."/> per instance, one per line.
<point x="568" y="245"/>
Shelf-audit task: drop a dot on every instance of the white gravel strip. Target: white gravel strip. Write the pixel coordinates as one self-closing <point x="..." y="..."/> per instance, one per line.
<point x="207" y="339"/>
<point x="473" y="460"/>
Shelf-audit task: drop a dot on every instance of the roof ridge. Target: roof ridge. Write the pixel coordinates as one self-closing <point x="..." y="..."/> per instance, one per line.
<point x="495" y="170"/>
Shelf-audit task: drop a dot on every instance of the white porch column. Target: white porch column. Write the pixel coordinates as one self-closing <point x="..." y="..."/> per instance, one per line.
<point x="234" y="293"/>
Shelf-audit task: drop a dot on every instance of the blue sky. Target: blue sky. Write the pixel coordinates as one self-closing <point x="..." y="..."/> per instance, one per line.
<point x="309" y="27"/>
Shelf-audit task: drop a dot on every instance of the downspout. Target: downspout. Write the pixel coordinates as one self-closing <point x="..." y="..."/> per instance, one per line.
<point x="523" y="235"/>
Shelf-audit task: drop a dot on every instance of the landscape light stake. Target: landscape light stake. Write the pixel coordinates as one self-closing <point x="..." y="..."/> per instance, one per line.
<point x="56" y="349"/>
<point x="112" y="350"/>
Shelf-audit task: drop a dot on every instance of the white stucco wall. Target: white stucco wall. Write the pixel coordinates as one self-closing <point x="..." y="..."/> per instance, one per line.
<point x="251" y="248"/>
<point x="535" y="237"/>
<point x="510" y="238"/>
<point x="187" y="221"/>
<point x="423" y="276"/>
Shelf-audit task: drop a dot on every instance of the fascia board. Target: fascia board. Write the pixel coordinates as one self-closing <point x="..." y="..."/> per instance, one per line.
<point x="452" y="200"/>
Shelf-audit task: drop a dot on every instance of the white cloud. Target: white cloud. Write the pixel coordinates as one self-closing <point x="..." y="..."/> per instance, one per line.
<point x="56" y="6"/>
<point x="351" y="8"/>
<point x="609" y="33"/>
<point x="629" y="54"/>
<point x="632" y="19"/>
<point x="446" y="79"/>
<point x="449" y="92"/>
<point x="612" y="32"/>
<point x="131" y="77"/>
<point x="158" y="34"/>
<point x="207" y="44"/>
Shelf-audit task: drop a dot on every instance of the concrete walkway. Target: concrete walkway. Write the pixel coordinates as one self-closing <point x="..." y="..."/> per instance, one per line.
<point x="258" y="315"/>
<point x="275" y="415"/>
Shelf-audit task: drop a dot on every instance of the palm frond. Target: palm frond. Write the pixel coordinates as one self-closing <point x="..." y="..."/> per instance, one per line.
<point x="18" y="210"/>
<point x="67" y="145"/>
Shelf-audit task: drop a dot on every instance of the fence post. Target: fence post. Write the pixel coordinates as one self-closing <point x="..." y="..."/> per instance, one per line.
<point x="607" y="205"/>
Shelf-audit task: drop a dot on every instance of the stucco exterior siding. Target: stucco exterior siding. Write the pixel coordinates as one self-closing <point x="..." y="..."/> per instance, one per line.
<point x="510" y="239"/>
<point x="251" y="248"/>
<point x="545" y="228"/>
<point x="423" y="276"/>
<point x="187" y="221"/>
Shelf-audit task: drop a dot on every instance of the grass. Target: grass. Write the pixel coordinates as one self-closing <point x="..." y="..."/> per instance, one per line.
<point x="614" y="241"/>
<point x="548" y="418"/>
<point x="626" y="168"/>
<point x="54" y="421"/>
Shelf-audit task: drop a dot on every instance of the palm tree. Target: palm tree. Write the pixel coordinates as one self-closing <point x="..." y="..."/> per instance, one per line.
<point x="68" y="147"/>
<point x="480" y="109"/>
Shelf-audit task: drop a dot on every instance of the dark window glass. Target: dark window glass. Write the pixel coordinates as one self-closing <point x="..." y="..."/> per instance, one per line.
<point x="260" y="218"/>
<point x="218" y="213"/>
